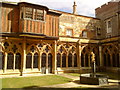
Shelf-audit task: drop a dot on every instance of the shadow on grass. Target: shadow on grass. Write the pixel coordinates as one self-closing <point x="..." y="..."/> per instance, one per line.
<point x="48" y="88"/>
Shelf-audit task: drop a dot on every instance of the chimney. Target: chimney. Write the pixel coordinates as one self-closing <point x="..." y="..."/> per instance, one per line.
<point x="74" y="8"/>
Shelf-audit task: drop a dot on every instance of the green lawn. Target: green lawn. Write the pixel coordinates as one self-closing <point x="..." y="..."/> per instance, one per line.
<point x="74" y="74"/>
<point x="37" y="81"/>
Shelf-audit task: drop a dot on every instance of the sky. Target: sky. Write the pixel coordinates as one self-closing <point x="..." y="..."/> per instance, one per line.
<point x="84" y="7"/>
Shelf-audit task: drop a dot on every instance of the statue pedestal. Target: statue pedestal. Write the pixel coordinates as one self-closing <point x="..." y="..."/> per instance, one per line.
<point x="94" y="79"/>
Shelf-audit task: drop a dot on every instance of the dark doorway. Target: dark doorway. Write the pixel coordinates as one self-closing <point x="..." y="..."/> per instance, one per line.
<point x="43" y="63"/>
<point x="49" y="63"/>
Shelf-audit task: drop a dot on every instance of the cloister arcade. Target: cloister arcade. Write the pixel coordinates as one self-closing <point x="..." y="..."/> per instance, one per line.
<point x="41" y="56"/>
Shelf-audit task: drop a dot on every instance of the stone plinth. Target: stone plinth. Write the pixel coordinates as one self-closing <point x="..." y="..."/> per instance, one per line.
<point x="97" y="79"/>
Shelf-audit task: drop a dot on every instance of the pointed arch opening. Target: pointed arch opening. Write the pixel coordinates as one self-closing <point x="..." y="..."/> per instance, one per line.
<point x="86" y="60"/>
<point x="28" y="60"/>
<point x="35" y="63"/>
<point x="58" y="59"/>
<point x="10" y="61"/>
<point x="50" y="63"/>
<point x="43" y="63"/>
<point x="75" y="60"/>
<point x="64" y="60"/>
<point x="18" y="61"/>
<point x="70" y="60"/>
<point x="82" y="60"/>
<point x="1" y="60"/>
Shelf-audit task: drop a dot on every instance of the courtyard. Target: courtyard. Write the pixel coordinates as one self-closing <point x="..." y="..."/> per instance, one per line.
<point x="59" y="81"/>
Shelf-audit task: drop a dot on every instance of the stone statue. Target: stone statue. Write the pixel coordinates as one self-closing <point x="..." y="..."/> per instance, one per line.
<point x="93" y="64"/>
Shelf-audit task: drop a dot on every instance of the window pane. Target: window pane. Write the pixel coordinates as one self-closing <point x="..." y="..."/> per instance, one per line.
<point x="69" y="32"/>
<point x="39" y="14"/>
<point x="84" y="34"/>
<point x="28" y="13"/>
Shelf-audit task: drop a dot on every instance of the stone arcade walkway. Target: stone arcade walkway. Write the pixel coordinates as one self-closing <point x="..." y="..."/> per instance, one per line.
<point x="113" y="84"/>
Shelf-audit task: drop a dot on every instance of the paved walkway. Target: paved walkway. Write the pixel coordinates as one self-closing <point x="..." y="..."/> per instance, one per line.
<point x="75" y="83"/>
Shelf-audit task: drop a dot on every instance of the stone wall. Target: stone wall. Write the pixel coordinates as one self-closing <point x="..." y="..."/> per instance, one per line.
<point x="106" y="12"/>
<point x="78" y="24"/>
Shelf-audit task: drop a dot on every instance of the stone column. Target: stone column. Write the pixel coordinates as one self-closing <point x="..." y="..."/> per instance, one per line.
<point x="14" y="61"/>
<point x="39" y="65"/>
<point x="100" y="56"/>
<point x="54" y="60"/>
<point x="61" y="60"/>
<point x="66" y="60"/>
<point x="32" y="61"/>
<point x="5" y="63"/>
<point x="79" y="55"/>
<point x="47" y="63"/>
<point x="23" y="57"/>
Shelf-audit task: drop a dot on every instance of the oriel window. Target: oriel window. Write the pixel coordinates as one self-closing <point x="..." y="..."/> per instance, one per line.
<point x="32" y="13"/>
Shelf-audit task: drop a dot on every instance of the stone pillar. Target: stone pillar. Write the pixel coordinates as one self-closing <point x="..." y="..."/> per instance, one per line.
<point x="61" y="60"/>
<point x="5" y="63"/>
<point x="32" y="61"/>
<point x="100" y="56"/>
<point x="23" y="57"/>
<point x="47" y="63"/>
<point x="39" y="65"/>
<point x="14" y="62"/>
<point x="54" y="61"/>
<point x="79" y="55"/>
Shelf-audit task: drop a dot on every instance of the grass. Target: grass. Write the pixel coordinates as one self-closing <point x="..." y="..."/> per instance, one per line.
<point x="38" y="81"/>
<point x="74" y="74"/>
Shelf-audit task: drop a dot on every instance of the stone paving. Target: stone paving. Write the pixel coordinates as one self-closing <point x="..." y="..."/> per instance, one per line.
<point x="75" y="83"/>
